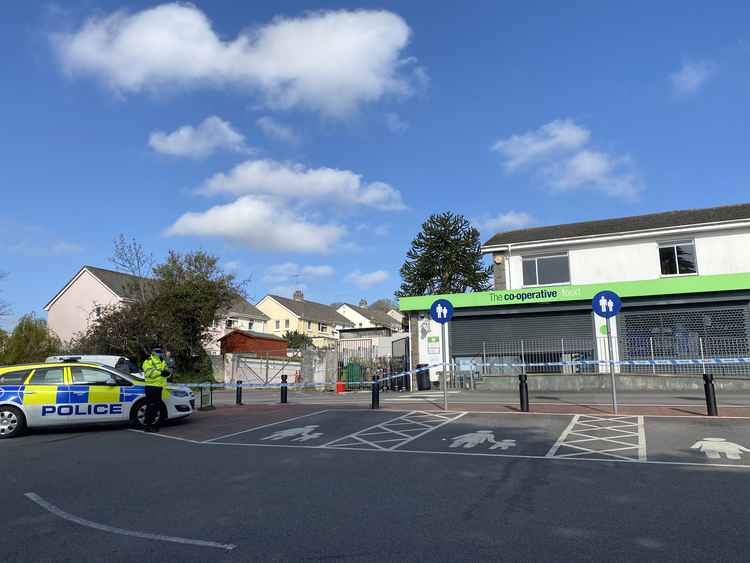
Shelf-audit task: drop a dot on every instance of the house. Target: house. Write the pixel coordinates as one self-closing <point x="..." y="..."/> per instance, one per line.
<point x="683" y="277"/>
<point x="363" y="317"/>
<point x="247" y="341"/>
<point x="241" y="315"/>
<point x="93" y="289"/>
<point x="318" y="321"/>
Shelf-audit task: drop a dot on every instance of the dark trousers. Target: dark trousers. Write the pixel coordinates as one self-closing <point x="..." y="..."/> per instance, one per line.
<point x="153" y="401"/>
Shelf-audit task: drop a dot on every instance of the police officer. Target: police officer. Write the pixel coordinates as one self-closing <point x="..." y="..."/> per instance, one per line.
<point x="156" y="371"/>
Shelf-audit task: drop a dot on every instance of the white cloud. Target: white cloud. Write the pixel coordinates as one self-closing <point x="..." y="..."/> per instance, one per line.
<point x="597" y="170"/>
<point x="557" y="153"/>
<point x="261" y="224"/>
<point x="211" y="135"/>
<point x="294" y="181"/>
<point x="507" y="221"/>
<point x="232" y="266"/>
<point x="691" y="77"/>
<point x="367" y="280"/>
<point x="325" y="61"/>
<point x="276" y="130"/>
<point x="395" y="124"/>
<point x="554" y="137"/>
<point x="290" y="270"/>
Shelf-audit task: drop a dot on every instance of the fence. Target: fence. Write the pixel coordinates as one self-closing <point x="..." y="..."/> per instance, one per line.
<point x="572" y="356"/>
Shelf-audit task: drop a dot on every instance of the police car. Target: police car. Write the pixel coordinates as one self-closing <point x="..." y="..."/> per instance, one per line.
<point x="50" y="394"/>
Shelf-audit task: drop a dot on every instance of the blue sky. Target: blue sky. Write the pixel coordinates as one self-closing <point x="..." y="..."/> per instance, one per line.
<point x="305" y="143"/>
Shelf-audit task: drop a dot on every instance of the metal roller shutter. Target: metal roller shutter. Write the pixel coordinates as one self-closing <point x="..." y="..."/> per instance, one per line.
<point x="687" y="331"/>
<point x="467" y="334"/>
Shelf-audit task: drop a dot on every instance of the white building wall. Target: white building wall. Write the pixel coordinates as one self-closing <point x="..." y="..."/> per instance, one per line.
<point x="75" y="308"/>
<point x="359" y="321"/>
<point x="726" y="252"/>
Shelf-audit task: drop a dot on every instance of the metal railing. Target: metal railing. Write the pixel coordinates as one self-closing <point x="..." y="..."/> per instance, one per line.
<point x="578" y="356"/>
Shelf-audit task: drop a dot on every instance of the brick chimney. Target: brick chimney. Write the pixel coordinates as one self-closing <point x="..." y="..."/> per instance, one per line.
<point x="298" y="295"/>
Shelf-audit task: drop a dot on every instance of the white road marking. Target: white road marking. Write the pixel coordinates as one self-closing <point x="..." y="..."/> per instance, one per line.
<point x="488" y="455"/>
<point x="596" y="435"/>
<point x="49" y="507"/>
<point x="263" y="426"/>
<point x="396" y="432"/>
<point x="474" y="439"/>
<point x="158" y="435"/>
<point x="714" y="447"/>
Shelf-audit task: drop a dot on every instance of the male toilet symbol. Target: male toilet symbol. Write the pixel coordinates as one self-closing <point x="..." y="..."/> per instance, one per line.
<point x="302" y="434"/>
<point x="714" y="447"/>
<point x="468" y="441"/>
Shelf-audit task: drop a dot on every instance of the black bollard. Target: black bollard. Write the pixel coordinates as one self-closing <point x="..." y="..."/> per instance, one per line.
<point x="238" y="395"/>
<point x="708" y="386"/>
<point x="523" y="390"/>
<point x="375" y="392"/>
<point x="284" y="389"/>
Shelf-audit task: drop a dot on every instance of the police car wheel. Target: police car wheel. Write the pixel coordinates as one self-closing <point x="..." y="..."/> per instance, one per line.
<point x="12" y="422"/>
<point x="138" y="414"/>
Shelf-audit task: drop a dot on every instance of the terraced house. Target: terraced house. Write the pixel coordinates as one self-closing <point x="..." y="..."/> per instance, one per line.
<point x="321" y="322"/>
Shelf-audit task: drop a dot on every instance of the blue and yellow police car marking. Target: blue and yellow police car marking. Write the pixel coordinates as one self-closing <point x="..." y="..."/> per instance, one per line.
<point x="12" y="393"/>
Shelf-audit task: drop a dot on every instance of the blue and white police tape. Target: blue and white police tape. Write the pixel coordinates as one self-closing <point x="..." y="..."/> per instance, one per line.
<point x="655" y="362"/>
<point x="308" y="385"/>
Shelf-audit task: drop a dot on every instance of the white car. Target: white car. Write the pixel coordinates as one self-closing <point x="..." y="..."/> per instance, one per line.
<point x="120" y="363"/>
<point x="63" y="393"/>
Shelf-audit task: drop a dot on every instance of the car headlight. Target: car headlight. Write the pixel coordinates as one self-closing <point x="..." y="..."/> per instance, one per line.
<point x="181" y="394"/>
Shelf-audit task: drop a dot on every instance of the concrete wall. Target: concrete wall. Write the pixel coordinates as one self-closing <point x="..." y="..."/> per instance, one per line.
<point x="76" y="307"/>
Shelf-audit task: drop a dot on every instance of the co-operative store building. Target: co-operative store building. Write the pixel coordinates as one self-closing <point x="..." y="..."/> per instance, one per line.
<point x="684" y="279"/>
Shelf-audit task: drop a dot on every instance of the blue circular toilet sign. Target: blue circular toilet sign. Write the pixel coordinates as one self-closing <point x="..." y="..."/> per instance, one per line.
<point x="606" y="304"/>
<point x="441" y="311"/>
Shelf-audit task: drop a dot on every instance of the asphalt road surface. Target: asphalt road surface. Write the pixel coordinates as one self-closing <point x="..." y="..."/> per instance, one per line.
<point x="309" y="483"/>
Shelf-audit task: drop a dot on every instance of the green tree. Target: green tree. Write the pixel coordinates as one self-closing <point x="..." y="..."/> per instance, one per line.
<point x="445" y="257"/>
<point x="30" y="341"/>
<point x="191" y="292"/>
<point x="4" y="307"/>
<point x="178" y="305"/>
<point x="384" y="305"/>
<point x="297" y="340"/>
<point x="3" y="342"/>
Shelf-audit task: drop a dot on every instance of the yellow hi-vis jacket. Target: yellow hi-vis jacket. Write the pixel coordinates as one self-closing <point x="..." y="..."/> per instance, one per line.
<point x="152" y="369"/>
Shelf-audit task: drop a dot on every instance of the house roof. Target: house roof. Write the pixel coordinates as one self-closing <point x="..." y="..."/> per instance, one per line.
<point x="380" y="318"/>
<point x="312" y="311"/>
<point x="123" y="285"/>
<point x="120" y="283"/>
<point x="241" y="307"/>
<point x="624" y="224"/>
<point x="253" y="334"/>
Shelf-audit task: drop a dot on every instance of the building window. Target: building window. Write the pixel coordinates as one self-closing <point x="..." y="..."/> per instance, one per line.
<point x="278" y="325"/>
<point x="677" y="258"/>
<point x="309" y="325"/>
<point x="229" y="323"/>
<point x="546" y="270"/>
<point x="250" y="325"/>
<point x="322" y="327"/>
<point x="286" y="323"/>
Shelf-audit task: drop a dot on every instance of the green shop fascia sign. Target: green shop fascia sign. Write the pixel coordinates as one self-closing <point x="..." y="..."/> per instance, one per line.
<point x="562" y="293"/>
